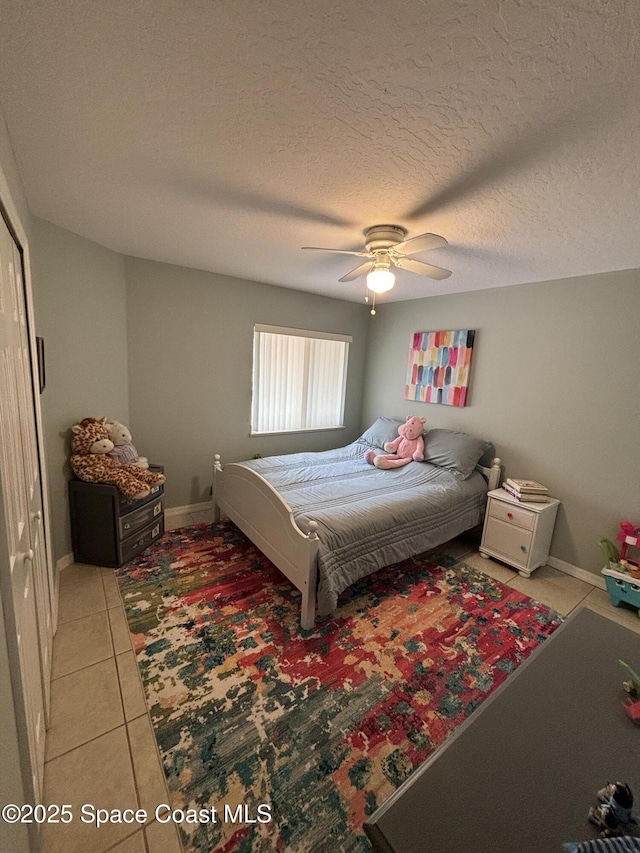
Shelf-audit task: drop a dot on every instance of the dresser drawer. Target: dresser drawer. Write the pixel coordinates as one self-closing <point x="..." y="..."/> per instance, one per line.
<point x="132" y="521"/>
<point x="512" y="514"/>
<point x="131" y="547"/>
<point x="506" y="539"/>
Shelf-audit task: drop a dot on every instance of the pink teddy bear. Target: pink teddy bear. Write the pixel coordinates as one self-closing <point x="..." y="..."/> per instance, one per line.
<point x="407" y="447"/>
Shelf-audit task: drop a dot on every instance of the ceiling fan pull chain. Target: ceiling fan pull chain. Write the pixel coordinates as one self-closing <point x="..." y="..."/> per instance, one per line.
<point x="373" y="309"/>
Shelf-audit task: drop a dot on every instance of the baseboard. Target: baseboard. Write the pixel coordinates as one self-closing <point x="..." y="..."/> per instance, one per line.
<point x="172" y="511"/>
<point x="64" y="562"/>
<point x="554" y="562"/>
<point x="577" y="572"/>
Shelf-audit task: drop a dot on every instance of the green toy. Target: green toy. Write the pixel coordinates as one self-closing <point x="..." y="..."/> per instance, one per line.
<point x="610" y="552"/>
<point x="632" y="687"/>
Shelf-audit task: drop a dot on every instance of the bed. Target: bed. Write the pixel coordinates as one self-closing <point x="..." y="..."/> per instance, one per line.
<point x="327" y="519"/>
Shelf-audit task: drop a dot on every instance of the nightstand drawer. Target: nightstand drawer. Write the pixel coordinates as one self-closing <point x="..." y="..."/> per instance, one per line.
<point x="511" y="514"/>
<point x="513" y="543"/>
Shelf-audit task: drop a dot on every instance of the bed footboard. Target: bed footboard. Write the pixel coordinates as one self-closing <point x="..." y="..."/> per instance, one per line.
<point x="245" y="497"/>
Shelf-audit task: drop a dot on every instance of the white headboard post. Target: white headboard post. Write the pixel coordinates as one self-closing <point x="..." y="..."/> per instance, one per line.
<point x="492" y="475"/>
<point x="495" y="473"/>
<point x="217" y="467"/>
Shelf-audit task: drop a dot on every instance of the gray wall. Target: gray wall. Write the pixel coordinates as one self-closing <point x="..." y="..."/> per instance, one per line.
<point x="79" y="293"/>
<point x="190" y="357"/>
<point x="168" y="351"/>
<point x="11" y="176"/>
<point x="555" y="384"/>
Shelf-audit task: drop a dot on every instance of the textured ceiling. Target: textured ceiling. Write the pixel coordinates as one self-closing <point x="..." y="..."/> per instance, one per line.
<point x="224" y="135"/>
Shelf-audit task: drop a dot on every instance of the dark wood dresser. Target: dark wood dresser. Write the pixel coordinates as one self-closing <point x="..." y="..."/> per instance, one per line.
<point x="109" y="529"/>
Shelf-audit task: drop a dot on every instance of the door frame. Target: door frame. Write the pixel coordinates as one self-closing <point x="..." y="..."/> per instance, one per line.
<point x="15" y="225"/>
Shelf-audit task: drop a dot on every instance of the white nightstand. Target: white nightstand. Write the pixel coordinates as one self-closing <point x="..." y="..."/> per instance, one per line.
<point x="518" y="533"/>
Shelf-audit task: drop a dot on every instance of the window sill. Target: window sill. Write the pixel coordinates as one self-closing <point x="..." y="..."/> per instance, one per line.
<point x="297" y="431"/>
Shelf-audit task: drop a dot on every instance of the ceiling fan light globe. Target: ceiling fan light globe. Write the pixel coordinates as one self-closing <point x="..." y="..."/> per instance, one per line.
<point x="379" y="281"/>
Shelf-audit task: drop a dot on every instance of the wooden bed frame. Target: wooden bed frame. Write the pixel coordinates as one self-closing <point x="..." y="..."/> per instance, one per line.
<point x="253" y="505"/>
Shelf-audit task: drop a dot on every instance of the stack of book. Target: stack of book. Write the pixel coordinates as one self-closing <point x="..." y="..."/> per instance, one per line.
<point x="526" y="490"/>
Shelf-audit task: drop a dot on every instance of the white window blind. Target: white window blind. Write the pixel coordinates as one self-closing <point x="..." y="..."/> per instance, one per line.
<point x="299" y="379"/>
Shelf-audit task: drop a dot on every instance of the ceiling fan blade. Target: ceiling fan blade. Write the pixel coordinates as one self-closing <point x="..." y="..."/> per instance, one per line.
<point x="421" y="243"/>
<point x="420" y="268"/>
<point x="357" y="272"/>
<point x="338" y="251"/>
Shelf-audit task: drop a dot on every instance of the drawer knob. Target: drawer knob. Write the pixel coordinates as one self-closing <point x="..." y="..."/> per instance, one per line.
<point x="523" y="548"/>
<point x="509" y="515"/>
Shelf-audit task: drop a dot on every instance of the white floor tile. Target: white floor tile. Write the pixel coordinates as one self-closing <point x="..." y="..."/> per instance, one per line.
<point x="497" y="571"/>
<point x="150" y="779"/>
<point x="119" y="630"/>
<point x="76" y="719"/>
<point x="98" y="773"/>
<point x="133" y="844"/>
<point x="133" y="698"/>
<point x="81" y="593"/>
<point x="553" y="588"/>
<point x="81" y="642"/>
<point x="162" y="838"/>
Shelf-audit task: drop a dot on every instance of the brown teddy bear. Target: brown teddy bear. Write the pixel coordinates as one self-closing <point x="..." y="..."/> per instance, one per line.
<point x="90" y="445"/>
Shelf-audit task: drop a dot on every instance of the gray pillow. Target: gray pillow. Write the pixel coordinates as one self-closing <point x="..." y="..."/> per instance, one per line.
<point x="380" y="432"/>
<point x="456" y="451"/>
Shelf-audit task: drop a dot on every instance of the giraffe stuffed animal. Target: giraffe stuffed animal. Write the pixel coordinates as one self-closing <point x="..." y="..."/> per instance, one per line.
<point x="90" y="445"/>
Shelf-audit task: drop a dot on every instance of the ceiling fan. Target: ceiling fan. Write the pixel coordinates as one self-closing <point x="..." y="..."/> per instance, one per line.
<point x="386" y="247"/>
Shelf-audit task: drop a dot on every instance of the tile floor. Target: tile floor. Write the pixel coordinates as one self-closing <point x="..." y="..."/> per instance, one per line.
<point x="100" y="746"/>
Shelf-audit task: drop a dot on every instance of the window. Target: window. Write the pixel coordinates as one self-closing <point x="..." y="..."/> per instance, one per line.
<point x="299" y="379"/>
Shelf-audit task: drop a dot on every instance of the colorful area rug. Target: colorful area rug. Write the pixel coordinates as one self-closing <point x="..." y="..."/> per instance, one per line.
<point x="278" y="739"/>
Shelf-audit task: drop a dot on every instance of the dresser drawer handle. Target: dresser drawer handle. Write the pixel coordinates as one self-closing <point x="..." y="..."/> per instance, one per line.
<point x="523" y="548"/>
<point x="509" y="515"/>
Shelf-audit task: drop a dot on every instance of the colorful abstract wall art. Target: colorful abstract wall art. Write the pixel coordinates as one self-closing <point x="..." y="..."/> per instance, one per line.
<point x="439" y="365"/>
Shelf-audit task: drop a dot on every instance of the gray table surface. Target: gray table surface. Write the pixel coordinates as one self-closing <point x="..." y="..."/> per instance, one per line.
<point x="522" y="771"/>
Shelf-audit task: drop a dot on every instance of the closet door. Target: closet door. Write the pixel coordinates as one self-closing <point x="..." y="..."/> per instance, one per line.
<point x="34" y="487"/>
<point x="24" y="582"/>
